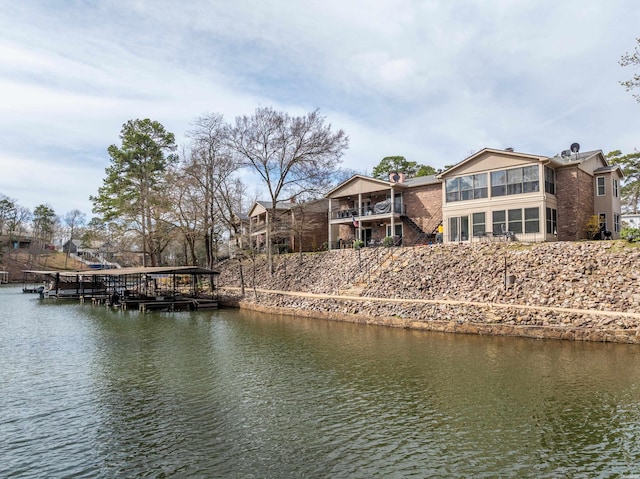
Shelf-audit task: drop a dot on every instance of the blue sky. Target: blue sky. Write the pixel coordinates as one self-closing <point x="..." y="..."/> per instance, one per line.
<point x="432" y="80"/>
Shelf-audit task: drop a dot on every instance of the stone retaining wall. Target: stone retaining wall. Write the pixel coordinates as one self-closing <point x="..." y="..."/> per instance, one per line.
<point x="579" y="291"/>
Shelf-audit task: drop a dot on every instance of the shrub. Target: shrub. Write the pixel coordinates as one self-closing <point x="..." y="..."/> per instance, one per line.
<point x="357" y="244"/>
<point x="387" y="241"/>
<point x="630" y="234"/>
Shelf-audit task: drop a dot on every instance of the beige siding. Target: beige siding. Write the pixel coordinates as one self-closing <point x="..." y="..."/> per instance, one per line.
<point x="492" y="161"/>
<point x="362" y="186"/>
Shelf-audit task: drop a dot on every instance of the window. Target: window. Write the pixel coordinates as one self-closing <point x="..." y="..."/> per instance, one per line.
<point x="452" y="187"/>
<point x="616" y="222"/>
<point x="480" y="189"/>
<point x="515" y="181"/>
<point x="600" y="185"/>
<point x="478" y="224"/>
<point x="498" y="183"/>
<point x="549" y="180"/>
<point x="530" y="181"/>
<point x="602" y="221"/>
<point x="499" y="223"/>
<point x="515" y="221"/>
<point x="531" y="220"/>
<point x="398" y="207"/>
<point x="615" y="188"/>
<point x="398" y="230"/>
<point x="459" y="228"/>
<point x="466" y="188"/>
<point x="552" y="221"/>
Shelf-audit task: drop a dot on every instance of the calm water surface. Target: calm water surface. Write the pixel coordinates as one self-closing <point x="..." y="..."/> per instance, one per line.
<point x="91" y="392"/>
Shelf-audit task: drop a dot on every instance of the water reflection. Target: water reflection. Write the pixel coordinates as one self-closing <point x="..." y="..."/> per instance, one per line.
<point x="232" y="394"/>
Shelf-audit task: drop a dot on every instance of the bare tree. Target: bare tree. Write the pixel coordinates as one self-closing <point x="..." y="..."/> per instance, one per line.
<point x="306" y="217"/>
<point x="633" y="60"/>
<point x="72" y="220"/>
<point x="208" y="173"/>
<point x="291" y="155"/>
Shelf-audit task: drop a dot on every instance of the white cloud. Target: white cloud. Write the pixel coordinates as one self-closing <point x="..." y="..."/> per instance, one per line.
<point x="430" y="80"/>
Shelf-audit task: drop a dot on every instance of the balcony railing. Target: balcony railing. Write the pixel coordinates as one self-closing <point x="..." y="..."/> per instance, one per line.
<point x="397" y="208"/>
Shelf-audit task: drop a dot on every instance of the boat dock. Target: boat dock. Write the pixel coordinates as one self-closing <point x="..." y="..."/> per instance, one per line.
<point x="182" y="288"/>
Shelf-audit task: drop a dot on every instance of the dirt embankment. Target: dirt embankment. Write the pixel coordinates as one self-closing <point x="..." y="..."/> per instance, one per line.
<point x="15" y="262"/>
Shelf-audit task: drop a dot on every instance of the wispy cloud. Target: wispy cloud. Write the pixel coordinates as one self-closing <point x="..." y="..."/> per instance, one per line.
<point x="430" y="80"/>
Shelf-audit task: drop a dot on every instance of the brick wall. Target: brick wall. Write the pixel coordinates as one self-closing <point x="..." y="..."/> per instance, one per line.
<point x="424" y="206"/>
<point x="314" y="231"/>
<point x="574" y="190"/>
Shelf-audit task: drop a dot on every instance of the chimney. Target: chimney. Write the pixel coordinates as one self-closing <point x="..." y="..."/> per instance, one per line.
<point x="395" y="177"/>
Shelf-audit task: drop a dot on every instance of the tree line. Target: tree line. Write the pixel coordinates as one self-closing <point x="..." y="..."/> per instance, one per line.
<point x="182" y="205"/>
<point x="171" y="205"/>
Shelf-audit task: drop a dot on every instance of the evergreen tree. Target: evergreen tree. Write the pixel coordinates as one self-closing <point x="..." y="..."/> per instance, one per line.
<point x="133" y="192"/>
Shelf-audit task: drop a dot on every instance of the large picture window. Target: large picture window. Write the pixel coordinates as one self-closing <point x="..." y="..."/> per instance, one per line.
<point x="517" y="220"/>
<point x="470" y="187"/>
<point x="515" y="181"/>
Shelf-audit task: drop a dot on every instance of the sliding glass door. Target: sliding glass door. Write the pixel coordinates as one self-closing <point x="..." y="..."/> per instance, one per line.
<point x="459" y="228"/>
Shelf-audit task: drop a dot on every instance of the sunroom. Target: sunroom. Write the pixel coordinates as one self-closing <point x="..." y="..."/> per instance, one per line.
<point x="500" y="195"/>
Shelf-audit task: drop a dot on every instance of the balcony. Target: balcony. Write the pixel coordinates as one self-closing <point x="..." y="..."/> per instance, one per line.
<point x="382" y="209"/>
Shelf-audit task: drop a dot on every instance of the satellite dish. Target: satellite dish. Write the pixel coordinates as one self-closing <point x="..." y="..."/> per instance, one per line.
<point x="396" y="177"/>
<point x="575" y="147"/>
<point x="565" y="153"/>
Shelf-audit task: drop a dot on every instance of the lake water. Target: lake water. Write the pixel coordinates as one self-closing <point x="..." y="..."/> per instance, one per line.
<point x="92" y="392"/>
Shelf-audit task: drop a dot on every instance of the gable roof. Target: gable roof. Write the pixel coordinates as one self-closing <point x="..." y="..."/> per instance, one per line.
<point x="285" y="205"/>
<point x="377" y="183"/>
<point x="421" y="180"/>
<point x="609" y="168"/>
<point x="478" y="154"/>
<point x="577" y="158"/>
<point x="354" y="179"/>
<point x="266" y="206"/>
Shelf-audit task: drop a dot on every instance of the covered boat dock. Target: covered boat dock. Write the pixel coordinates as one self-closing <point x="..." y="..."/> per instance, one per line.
<point x="147" y="289"/>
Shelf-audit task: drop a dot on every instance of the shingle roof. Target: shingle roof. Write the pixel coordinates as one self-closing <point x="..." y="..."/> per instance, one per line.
<point x="574" y="158"/>
<point x="421" y="180"/>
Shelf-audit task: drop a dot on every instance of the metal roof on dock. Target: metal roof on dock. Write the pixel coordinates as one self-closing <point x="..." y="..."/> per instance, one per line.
<point x="128" y="271"/>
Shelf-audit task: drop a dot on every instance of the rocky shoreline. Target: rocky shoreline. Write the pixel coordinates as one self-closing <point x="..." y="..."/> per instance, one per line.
<point x="577" y="291"/>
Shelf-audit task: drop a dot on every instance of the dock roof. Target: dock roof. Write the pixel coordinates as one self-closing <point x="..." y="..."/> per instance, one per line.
<point x="128" y="271"/>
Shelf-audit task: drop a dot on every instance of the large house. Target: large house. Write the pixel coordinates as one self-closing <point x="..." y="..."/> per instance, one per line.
<point x="491" y="195"/>
<point x="408" y="210"/>
<point x="530" y="197"/>
<point x="292" y="225"/>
